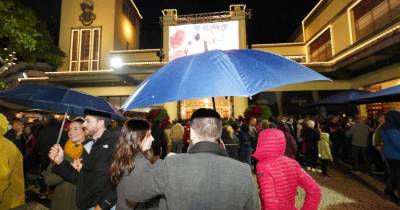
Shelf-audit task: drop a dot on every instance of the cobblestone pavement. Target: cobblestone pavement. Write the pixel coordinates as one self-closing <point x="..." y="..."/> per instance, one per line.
<point x="347" y="191"/>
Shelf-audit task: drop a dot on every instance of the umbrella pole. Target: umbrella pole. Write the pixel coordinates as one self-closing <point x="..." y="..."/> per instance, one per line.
<point x="62" y="126"/>
<point x="213" y="101"/>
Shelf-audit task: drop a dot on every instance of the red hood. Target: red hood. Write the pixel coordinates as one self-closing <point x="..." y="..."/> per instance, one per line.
<point x="271" y="144"/>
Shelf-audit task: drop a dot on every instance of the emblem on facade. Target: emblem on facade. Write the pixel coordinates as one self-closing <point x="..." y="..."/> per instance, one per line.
<point x="87" y="15"/>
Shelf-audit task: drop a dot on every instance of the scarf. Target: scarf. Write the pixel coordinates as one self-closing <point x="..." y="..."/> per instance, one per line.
<point x="73" y="150"/>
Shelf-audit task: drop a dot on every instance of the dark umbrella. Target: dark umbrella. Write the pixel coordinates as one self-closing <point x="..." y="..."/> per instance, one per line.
<point x="391" y="94"/>
<point x="219" y="73"/>
<point x="340" y="98"/>
<point x="57" y="99"/>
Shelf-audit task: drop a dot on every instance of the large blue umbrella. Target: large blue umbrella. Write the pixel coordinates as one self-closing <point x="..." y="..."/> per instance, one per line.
<point x="391" y="94"/>
<point x="57" y="99"/>
<point x="219" y="73"/>
<point x="340" y="98"/>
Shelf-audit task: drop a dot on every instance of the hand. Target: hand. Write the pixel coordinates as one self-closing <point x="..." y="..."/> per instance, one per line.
<point x="97" y="208"/>
<point x="77" y="164"/>
<point x="56" y="154"/>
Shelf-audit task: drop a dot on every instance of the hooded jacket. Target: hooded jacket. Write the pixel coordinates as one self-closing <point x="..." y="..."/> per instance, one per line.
<point x="12" y="190"/>
<point x="324" y="147"/>
<point x="390" y="132"/>
<point x="279" y="176"/>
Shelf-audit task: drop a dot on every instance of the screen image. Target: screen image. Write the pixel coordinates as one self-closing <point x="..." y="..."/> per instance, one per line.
<point x="197" y="38"/>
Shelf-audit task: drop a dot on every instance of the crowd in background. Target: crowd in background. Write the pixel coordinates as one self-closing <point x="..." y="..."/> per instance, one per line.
<point x="314" y="142"/>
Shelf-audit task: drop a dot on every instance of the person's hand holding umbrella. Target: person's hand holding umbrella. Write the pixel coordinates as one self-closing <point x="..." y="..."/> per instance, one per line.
<point x="77" y="164"/>
<point x="56" y="154"/>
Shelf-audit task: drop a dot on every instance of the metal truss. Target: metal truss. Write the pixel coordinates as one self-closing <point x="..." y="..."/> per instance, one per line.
<point x="205" y="17"/>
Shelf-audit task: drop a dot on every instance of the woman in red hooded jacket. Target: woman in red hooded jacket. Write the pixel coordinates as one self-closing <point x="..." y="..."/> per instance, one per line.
<point x="279" y="176"/>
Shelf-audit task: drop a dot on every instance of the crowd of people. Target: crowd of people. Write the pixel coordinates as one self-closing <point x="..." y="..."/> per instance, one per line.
<point x="202" y="163"/>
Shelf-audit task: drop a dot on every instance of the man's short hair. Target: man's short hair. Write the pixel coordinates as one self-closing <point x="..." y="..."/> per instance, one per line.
<point x="99" y="115"/>
<point x="207" y="124"/>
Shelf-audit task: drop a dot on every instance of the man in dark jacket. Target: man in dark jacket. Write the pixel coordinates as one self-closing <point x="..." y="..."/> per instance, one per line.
<point x="15" y="135"/>
<point x="94" y="188"/>
<point x="203" y="178"/>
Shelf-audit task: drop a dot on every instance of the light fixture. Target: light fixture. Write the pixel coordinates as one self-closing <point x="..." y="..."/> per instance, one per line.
<point x="24" y="74"/>
<point x="116" y="62"/>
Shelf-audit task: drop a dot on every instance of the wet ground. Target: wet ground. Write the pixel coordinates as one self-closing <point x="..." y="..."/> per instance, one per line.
<point x="344" y="190"/>
<point x="348" y="190"/>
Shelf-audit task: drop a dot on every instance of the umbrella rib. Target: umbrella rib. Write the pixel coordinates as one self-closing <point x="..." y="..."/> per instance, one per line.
<point x="230" y="65"/>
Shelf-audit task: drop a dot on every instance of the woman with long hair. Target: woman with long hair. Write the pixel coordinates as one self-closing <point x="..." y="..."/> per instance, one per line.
<point x="132" y="152"/>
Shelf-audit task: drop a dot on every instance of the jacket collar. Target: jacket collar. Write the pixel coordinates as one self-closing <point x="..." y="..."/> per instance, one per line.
<point x="103" y="137"/>
<point x="207" y="147"/>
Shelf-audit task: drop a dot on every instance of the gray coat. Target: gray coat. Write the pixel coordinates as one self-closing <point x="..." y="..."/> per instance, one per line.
<point x="64" y="196"/>
<point x="204" y="179"/>
<point x="124" y="202"/>
<point x="360" y="134"/>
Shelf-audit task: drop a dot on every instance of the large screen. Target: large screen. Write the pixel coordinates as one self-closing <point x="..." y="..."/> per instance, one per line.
<point x="197" y="38"/>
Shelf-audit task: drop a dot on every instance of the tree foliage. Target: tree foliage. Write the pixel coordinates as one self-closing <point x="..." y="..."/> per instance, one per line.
<point x="22" y="32"/>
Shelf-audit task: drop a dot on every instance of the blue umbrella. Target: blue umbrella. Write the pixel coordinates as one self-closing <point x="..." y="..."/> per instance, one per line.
<point x="219" y="73"/>
<point x="57" y="99"/>
<point x="391" y="94"/>
<point x="340" y="98"/>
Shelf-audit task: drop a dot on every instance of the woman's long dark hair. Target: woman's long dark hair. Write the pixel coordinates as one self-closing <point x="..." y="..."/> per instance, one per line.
<point x="128" y="146"/>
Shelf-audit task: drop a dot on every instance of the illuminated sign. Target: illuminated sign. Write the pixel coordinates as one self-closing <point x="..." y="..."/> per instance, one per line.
<point x="197" y="38"/>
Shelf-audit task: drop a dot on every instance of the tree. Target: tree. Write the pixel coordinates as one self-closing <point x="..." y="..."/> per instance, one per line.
<point x="21" y="32"/>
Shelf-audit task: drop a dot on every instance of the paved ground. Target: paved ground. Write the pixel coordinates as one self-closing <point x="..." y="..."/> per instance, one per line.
<point x="344" y="191"/>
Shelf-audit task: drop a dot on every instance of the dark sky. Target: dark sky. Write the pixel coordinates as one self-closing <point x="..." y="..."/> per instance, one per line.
<point x="272" y="21"/>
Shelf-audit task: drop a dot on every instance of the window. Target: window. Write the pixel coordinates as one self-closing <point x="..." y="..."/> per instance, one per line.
<point x="321" y="48"/>
<point x="372" y="15"/>
<point x="85" y="49"/>
<point x="223" y="105"/>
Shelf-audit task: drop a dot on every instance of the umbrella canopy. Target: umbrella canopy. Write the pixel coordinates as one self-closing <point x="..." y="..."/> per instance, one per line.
<point x="391" y="94"/>
<point x="340" y="98"/>
<point x="219" y="73"/>
<point x="57" y="99"/>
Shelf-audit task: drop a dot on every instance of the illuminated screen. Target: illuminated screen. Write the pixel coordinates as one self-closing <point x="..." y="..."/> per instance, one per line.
<point x="197" y="38"/>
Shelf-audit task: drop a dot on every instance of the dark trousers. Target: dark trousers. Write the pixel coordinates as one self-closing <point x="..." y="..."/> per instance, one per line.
<point x="311" y="157"/>
<point x="177" y="146"/>
<point x="393" y="175"/>
<point x="324" y="166"/>
<point x="355" y="153"/>
<point x="337" y="146"/>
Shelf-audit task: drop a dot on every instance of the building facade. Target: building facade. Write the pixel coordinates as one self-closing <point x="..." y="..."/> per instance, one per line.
<point x="354" y="42"/>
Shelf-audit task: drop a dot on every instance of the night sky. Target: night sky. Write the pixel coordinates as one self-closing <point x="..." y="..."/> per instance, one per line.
<point x="272" y="21"/>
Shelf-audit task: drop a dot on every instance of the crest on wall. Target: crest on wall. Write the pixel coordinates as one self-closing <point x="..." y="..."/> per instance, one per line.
<point x="87" y="15"/>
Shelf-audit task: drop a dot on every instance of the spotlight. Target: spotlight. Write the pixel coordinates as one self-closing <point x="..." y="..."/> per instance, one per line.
<point x="116" y="62"/>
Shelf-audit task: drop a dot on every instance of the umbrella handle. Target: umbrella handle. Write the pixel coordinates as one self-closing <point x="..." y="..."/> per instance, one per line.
<point x="213" y="102"/>
<point x="62" y="126"/>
